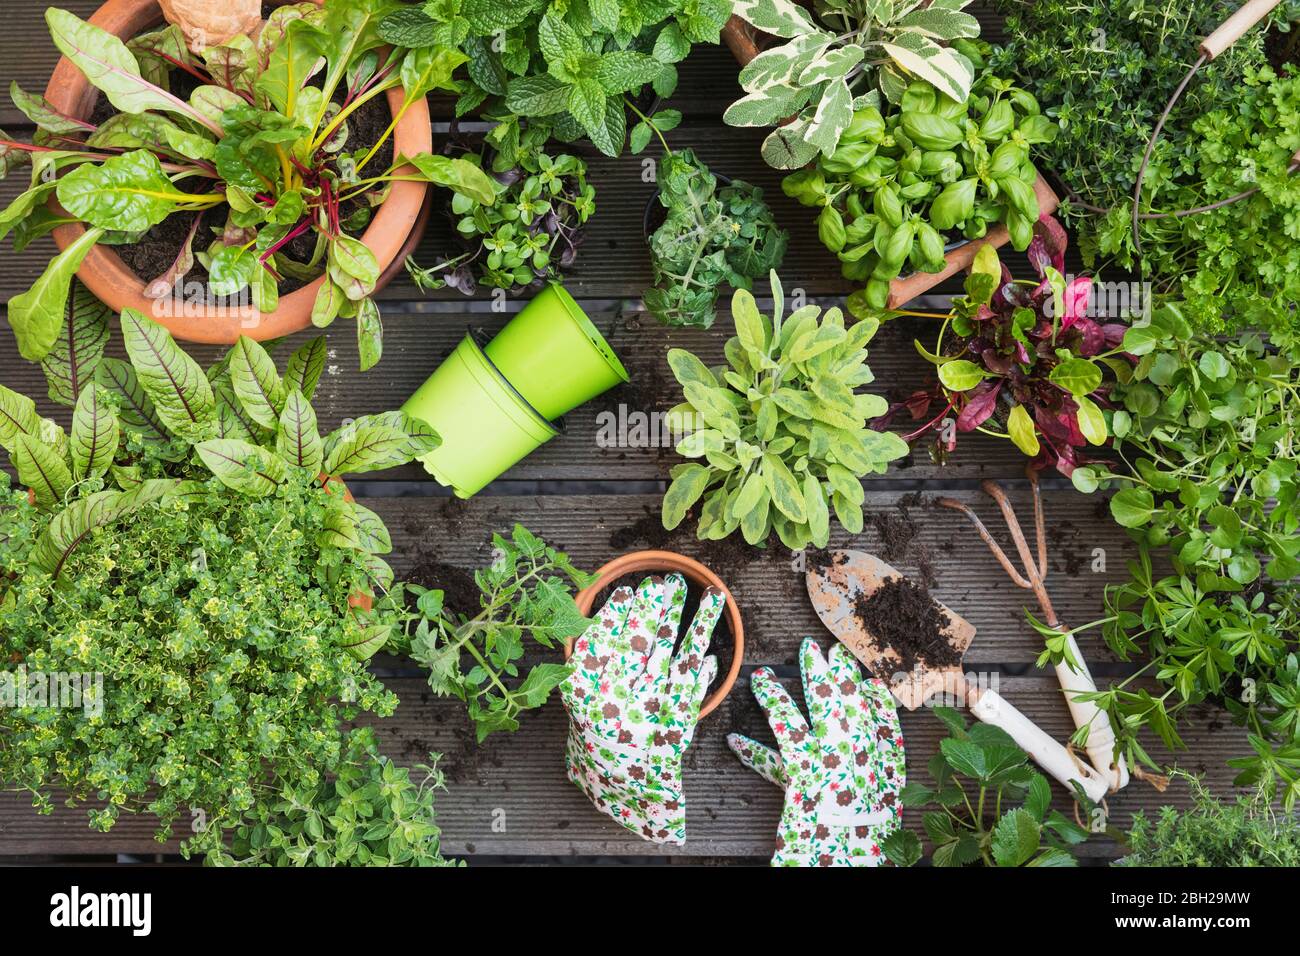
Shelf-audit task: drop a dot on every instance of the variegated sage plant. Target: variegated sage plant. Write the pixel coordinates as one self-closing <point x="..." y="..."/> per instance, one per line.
<point x="843" y="56"/>
<point x="780" y="432"/>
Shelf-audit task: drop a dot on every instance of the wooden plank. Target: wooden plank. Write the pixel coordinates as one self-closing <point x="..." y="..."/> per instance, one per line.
<point x="904" y="529"/>
<point x="518" y="781"/>
<point x="591" y="446"/>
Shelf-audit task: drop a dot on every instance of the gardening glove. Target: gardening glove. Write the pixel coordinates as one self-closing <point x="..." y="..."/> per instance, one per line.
<point x="633" y="704"/>
<point x="841" y="774"/>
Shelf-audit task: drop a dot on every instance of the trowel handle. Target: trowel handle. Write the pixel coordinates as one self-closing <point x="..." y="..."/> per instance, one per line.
<point x="992" y="708"/>
<point x="1232" y="29"/>
<point x="1101" y="739"/>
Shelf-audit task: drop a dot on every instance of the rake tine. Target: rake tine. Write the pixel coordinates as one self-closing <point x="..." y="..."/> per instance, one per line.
<point x="994" y="491"/>
<point x="1040" y="531"/>
<point x="996" y="548"/>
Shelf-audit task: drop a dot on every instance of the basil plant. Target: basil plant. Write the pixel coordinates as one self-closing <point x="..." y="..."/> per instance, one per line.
<point x="779" y="433"/>
<point x="257" y="157"/>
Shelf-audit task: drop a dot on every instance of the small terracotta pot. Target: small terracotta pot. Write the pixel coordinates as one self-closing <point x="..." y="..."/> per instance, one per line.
<point x="114" y="284"/>
<point x="696" y="574"/>
<point x="746" y="43"/>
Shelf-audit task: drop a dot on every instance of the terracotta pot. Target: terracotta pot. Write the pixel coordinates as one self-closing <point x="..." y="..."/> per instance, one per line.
<point x="109" y="278"/>
<point x="696" y="574"/>
<point x="746" y="43"/>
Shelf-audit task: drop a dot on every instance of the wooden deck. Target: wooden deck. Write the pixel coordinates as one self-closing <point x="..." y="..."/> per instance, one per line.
<point x="587" y="499"/>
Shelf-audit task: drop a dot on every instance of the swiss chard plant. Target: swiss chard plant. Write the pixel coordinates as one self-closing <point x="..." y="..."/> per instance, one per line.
<point x="989" y="805"/>
<point x="477" y="654"/>
<point x="713" y="235"/>
<point x="565" y="67"/>
<point x="843" y="58"/>
<point x="257" y="157"/>
<point x="1023" y="360"/>
<point x="902" y="185"/>
<point x="185" y="540"/>
<point x="1205" y="446"/>
<point x="529" y="234"/>
<point x="779" y="433"/>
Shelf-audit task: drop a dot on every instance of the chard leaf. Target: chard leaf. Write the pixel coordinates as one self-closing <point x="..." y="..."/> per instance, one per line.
<point x="456" y="174"/>
<point x="113" y="69"/>
<point x="128" y="193"/>
<point x="37" y="314"/>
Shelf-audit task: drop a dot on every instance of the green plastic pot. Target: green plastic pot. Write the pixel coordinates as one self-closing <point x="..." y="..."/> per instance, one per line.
<point x="486" y="426"/>
<point x="552" y="353"/>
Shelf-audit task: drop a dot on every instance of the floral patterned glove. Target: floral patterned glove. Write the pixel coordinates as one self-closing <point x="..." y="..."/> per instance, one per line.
<point x="842" y="774"/>
<point x="633" y="704"/>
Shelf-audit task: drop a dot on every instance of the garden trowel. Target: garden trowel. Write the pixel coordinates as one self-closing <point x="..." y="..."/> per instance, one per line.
<point x="839" y="583"/>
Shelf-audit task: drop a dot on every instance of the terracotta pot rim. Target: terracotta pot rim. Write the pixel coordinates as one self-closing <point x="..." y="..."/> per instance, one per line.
<point x="113" y="282"/>
<point x="697" y="574"/>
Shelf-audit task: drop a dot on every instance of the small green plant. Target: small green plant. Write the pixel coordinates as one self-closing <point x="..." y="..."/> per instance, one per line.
<point x="259" y="153"/>
<point x="712" y="236"/>
<point x="991" y="806"/>
<point x="474" y="654"/>
<point x="1247" y="832"/>
<point x="780" y="430"/>
<point x="930" y="170"/>
<point x="842" y="58"/>
<point x="528" y="234"/>
<point x="370" y="813"/>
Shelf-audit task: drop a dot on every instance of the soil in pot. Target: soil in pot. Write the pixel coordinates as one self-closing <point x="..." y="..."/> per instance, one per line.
<point x="722" y="645"/>
<point x="155" y="253"/>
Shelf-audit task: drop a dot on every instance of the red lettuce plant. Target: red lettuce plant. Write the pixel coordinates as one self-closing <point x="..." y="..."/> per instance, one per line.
<point x="1021" y="359"/>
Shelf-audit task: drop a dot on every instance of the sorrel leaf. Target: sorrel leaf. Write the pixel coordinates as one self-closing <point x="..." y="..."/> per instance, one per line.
<point x="242" y="466"/>
<point x="297" y="440"/>
<point x="94" y="436"/>
<point x="75" y="355"/>
<point x="181" y="393"/>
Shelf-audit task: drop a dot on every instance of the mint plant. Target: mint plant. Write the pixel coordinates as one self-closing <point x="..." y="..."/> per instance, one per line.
<point x="564" y="67"/>
<point x="779" y="433"/>
<point x="258" y="156"/>
<point x="476" y="655"/>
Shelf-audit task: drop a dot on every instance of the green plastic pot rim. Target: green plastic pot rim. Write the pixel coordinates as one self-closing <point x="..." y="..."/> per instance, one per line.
<point x="588" y="328"/>
<point x="542" y="430"/>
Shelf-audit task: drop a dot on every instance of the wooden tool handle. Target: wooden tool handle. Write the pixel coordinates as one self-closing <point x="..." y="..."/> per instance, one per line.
<point x="991" y="708"/>
<point x="1101" y="739"/>
<point x="1231" y="29"/>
